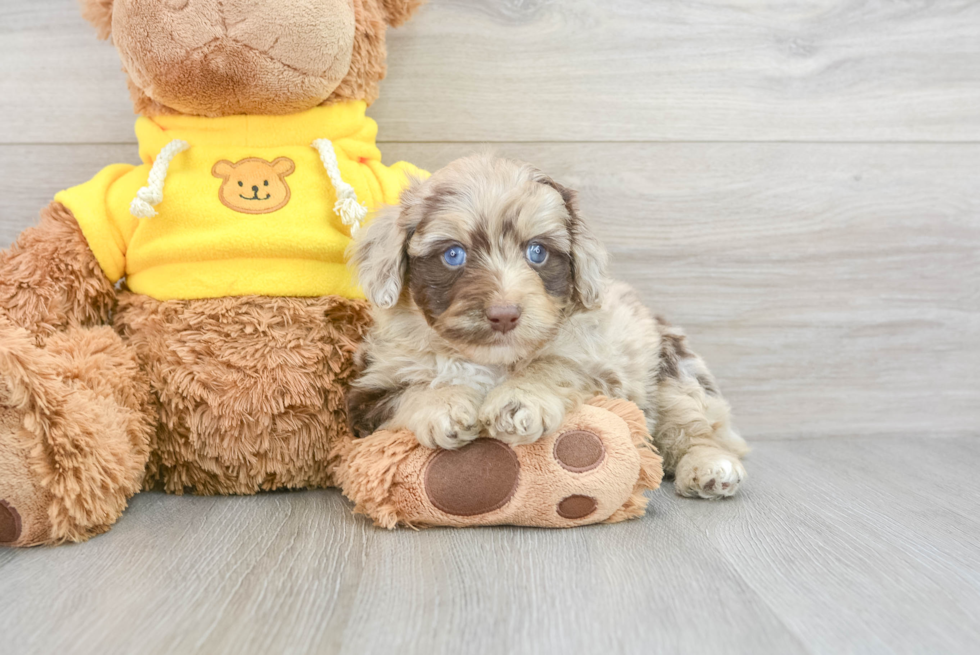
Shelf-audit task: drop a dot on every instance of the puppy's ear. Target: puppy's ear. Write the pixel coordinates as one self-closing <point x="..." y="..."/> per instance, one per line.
<point x="399" y="11"/>
<point x="589" y="257"/>
<point x="379" y="252"/>
<point x="99" y="13"/>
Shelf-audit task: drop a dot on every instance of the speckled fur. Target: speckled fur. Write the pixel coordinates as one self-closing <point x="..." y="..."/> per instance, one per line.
<point x="446" y="376"/>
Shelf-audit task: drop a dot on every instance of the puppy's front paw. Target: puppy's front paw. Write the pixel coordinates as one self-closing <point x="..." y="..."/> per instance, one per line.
<point x="709" y="473"/>
<point x="516" y="417"/>
<point x="449" y="424"/>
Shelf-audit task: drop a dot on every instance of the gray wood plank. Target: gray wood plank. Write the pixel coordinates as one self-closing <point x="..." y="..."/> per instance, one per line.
<point x="860" y="545"/>
<point x="631" y="588"/>
<point x="836" y="545"/>
<point x="189" y="574"/>
<point x="832" y="288"/>
<point x="582" y="70"/>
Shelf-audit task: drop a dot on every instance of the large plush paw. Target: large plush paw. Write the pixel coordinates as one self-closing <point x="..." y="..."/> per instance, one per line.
<point x="709" y="473"/>
<point x="517" y="417"/>
<point x="448" y="423"/>
<point x="594" y="468"/>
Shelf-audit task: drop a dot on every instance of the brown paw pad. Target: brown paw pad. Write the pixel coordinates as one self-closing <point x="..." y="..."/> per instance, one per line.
<point x="577" y="507"/>
<point x="579" y="451"/>
<point x="476" y="479"/>
<point x="10" y="525"/>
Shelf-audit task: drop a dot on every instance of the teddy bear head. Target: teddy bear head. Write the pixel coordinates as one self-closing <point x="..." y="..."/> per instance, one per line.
<point x="225" y="57"/>
<point x="254" y="185"/>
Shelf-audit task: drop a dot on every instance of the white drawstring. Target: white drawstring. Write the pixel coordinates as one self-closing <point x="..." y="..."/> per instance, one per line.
<point x="351" y="212"/>
<point x="152" y="194"/>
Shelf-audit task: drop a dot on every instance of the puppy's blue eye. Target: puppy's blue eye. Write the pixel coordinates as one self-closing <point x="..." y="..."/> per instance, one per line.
<point x="536" y="253"/>
<point x="455" y="256"/>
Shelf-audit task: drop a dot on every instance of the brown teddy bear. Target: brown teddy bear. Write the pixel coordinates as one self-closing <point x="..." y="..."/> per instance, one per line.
<point x="190" y="323"/>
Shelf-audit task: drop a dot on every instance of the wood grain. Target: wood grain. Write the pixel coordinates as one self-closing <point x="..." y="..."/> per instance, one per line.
<point x="833" y="288"/>
<point x="884" y="528"/>
<point x="583" y="70"/>
<point x="833" y="547"/>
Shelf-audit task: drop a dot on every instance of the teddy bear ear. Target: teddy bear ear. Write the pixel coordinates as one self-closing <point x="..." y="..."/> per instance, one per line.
<point x="283" y="166"/>
<point x="222" y="169"/>
<point x="399" y="11"/>
<point x="99" y="13"/>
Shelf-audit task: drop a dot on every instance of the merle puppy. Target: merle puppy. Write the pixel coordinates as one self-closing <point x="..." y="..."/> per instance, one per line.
<point x="494" y="316"/>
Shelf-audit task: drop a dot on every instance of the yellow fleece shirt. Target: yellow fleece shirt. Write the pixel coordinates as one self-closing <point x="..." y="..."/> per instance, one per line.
<point x="247" y="209"/>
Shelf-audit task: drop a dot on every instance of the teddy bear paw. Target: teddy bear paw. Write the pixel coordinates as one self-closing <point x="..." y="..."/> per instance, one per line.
<point x="10" y="524"/>
<point x="23" y="501"/>
<point x="579" y="475"/>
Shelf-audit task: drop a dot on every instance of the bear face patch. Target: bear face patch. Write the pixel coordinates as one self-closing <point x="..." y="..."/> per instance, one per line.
<point x="254" y="185"/>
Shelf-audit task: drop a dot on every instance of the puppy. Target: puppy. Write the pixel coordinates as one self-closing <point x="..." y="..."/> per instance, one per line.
<point x="494" y="316"/>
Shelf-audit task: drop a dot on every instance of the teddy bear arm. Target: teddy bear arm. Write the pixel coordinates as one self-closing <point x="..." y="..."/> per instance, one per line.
<point x="50" y="279"/>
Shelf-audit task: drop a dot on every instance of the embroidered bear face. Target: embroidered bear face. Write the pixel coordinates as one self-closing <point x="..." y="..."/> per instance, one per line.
<point x="254" y="185"/>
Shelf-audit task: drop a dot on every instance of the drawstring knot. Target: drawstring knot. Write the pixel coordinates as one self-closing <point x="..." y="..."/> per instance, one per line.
<point x="152" y="194"/>
<point x="351" y="211"/>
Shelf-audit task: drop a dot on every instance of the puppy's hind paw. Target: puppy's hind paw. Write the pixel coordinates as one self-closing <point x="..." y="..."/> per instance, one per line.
<point x="709" y="473"/>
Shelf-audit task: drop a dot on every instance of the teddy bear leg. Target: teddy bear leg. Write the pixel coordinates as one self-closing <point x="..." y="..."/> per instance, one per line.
<point x="75" y="426"/>
<point x="594" y="469"/>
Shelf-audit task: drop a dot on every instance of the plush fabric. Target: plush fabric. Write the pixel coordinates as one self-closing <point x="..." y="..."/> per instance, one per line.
<point x="75" y="423"/>
<point x="249" y="391"/>
<point x="202" y="246"/>
<point x="386" y="476"/>
<point x="274" y="86"/>
<point x="50" y="280"/>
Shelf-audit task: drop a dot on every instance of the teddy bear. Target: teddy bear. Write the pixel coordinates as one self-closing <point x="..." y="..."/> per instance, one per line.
<point x="190" y="324"/>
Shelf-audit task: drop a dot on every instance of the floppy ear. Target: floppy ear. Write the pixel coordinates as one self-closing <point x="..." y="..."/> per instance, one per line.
<point x="589" y="257"/>
<point x="99" y="13"/>
<point x="399" y="11"/>
<point x="379" y="253"/>
<point x="283" y="166"/>
<point x="222" y="169"/>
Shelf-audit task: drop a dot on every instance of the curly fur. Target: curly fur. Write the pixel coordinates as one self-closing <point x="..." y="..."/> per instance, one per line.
<point x="85" y="422"/>
<point x="50" y="280"/>
<point x="271" y="372"/>
<point x="434" y="365"/>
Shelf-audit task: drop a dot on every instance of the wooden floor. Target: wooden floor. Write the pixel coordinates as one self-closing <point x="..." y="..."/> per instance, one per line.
<point x="798" y="184"/>
<point x="864" y="545"/>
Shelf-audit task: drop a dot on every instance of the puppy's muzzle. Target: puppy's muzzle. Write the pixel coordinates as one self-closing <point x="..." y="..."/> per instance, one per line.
<point x="503" y="318"/>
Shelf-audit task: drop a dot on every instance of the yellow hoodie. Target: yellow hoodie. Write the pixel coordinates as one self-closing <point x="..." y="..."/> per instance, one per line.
<point x="246" y="205"/>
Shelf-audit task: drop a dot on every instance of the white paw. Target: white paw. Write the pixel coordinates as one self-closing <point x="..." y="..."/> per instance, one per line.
<point x="708" y="474"/>
<point x="449" y="425"/>
<point x="516" y="417"/>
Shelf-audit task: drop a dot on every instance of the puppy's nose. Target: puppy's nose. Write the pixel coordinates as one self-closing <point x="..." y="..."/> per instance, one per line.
<point x="503" y="318"/>
<point x="255" y="188"/>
